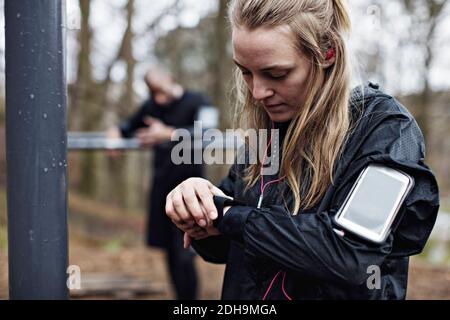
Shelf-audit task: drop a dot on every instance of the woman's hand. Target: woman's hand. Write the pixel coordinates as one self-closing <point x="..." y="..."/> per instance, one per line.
<point x="196" y="234"/>
<point x="191" y="202"/>
<point x="203" y="234"/>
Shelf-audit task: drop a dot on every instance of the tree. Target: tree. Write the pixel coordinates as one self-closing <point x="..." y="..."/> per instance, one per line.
<point x="223" y="65"/>
<point x="85" y="113"/>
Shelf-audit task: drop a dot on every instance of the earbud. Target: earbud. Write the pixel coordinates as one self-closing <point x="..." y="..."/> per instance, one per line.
<point x="330" y="54"/>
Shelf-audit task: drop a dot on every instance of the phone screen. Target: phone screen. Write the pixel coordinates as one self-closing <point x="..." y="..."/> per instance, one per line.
<point x="375" y="198"/>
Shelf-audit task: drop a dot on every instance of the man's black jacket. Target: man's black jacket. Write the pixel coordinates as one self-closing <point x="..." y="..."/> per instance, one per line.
<point x="315" y="262"/>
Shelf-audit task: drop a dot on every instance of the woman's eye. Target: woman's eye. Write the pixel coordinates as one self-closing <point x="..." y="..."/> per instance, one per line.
<point x="245" y="73"/>
<point x="277" y="76"/>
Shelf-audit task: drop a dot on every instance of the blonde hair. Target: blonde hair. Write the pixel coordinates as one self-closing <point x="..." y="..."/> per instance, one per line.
<point x="317" y="133"/>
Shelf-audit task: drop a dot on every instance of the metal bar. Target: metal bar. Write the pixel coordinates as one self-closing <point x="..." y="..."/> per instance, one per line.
<point x="79" y="142"/>
<point x="36" y="148"/>
<point x="87" y="134"/>
<point x="97" y="141"/>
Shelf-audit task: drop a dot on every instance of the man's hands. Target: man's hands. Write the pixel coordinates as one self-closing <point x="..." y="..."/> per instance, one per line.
<point x="156" y="132"/>
<point x="191" y="208"/>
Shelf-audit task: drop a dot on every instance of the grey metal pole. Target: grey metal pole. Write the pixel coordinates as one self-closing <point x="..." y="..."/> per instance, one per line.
<point x="36" y="143"/>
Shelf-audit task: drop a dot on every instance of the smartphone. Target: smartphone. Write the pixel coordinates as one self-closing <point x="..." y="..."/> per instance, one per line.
<point x="374" y="202"/>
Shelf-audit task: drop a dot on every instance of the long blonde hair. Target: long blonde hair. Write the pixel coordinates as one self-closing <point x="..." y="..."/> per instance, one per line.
<point x="317" y="133"/>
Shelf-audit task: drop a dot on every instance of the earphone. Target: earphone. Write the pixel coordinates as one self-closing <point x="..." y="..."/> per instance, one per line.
<point x="330" y="53"/>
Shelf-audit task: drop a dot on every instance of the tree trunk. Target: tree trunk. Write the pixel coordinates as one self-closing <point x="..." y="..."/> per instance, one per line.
<point x="223" y="65"/>
<point x="124" y="180"/>
<point x="83" y="108"/>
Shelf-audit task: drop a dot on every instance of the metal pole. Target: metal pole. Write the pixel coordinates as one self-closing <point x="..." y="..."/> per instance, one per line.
<point x="36" y="143"/>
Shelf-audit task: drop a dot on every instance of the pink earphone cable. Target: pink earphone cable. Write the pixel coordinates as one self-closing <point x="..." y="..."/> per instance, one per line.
<point x="264" y="160"/>
<point x="282" y="286"/>
<point x="271" y="284"/>
<point x="263" y="187"/>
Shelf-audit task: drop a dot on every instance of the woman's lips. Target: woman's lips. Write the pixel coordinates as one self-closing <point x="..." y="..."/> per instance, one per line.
<point x="275" y="107"/>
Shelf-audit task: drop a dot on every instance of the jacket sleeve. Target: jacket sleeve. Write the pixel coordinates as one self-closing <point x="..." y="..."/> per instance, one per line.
<point x="307" y="244"/>
<point x="136" y="121"/>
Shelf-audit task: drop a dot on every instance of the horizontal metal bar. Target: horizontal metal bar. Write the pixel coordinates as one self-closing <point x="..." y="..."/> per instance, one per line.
<point x="82" y="143"/>
<point x="87" y="134"/>
<point x="98" y="141"/>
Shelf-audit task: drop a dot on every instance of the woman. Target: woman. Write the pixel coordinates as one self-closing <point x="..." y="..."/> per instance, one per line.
<point x="293" y="74"/>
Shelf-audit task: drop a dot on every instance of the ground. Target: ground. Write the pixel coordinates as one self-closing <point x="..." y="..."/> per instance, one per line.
<point x="425" y="282"/>
<point x="108" y="242"/>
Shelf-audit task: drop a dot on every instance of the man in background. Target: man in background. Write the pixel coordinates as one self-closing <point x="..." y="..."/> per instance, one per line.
<point x="169" y="107"/>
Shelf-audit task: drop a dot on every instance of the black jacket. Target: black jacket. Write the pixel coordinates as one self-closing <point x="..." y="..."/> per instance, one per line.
<point x="315" y="262"/>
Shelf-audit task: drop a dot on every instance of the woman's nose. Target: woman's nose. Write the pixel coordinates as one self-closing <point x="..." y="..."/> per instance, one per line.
<point x="261" y="91"/>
